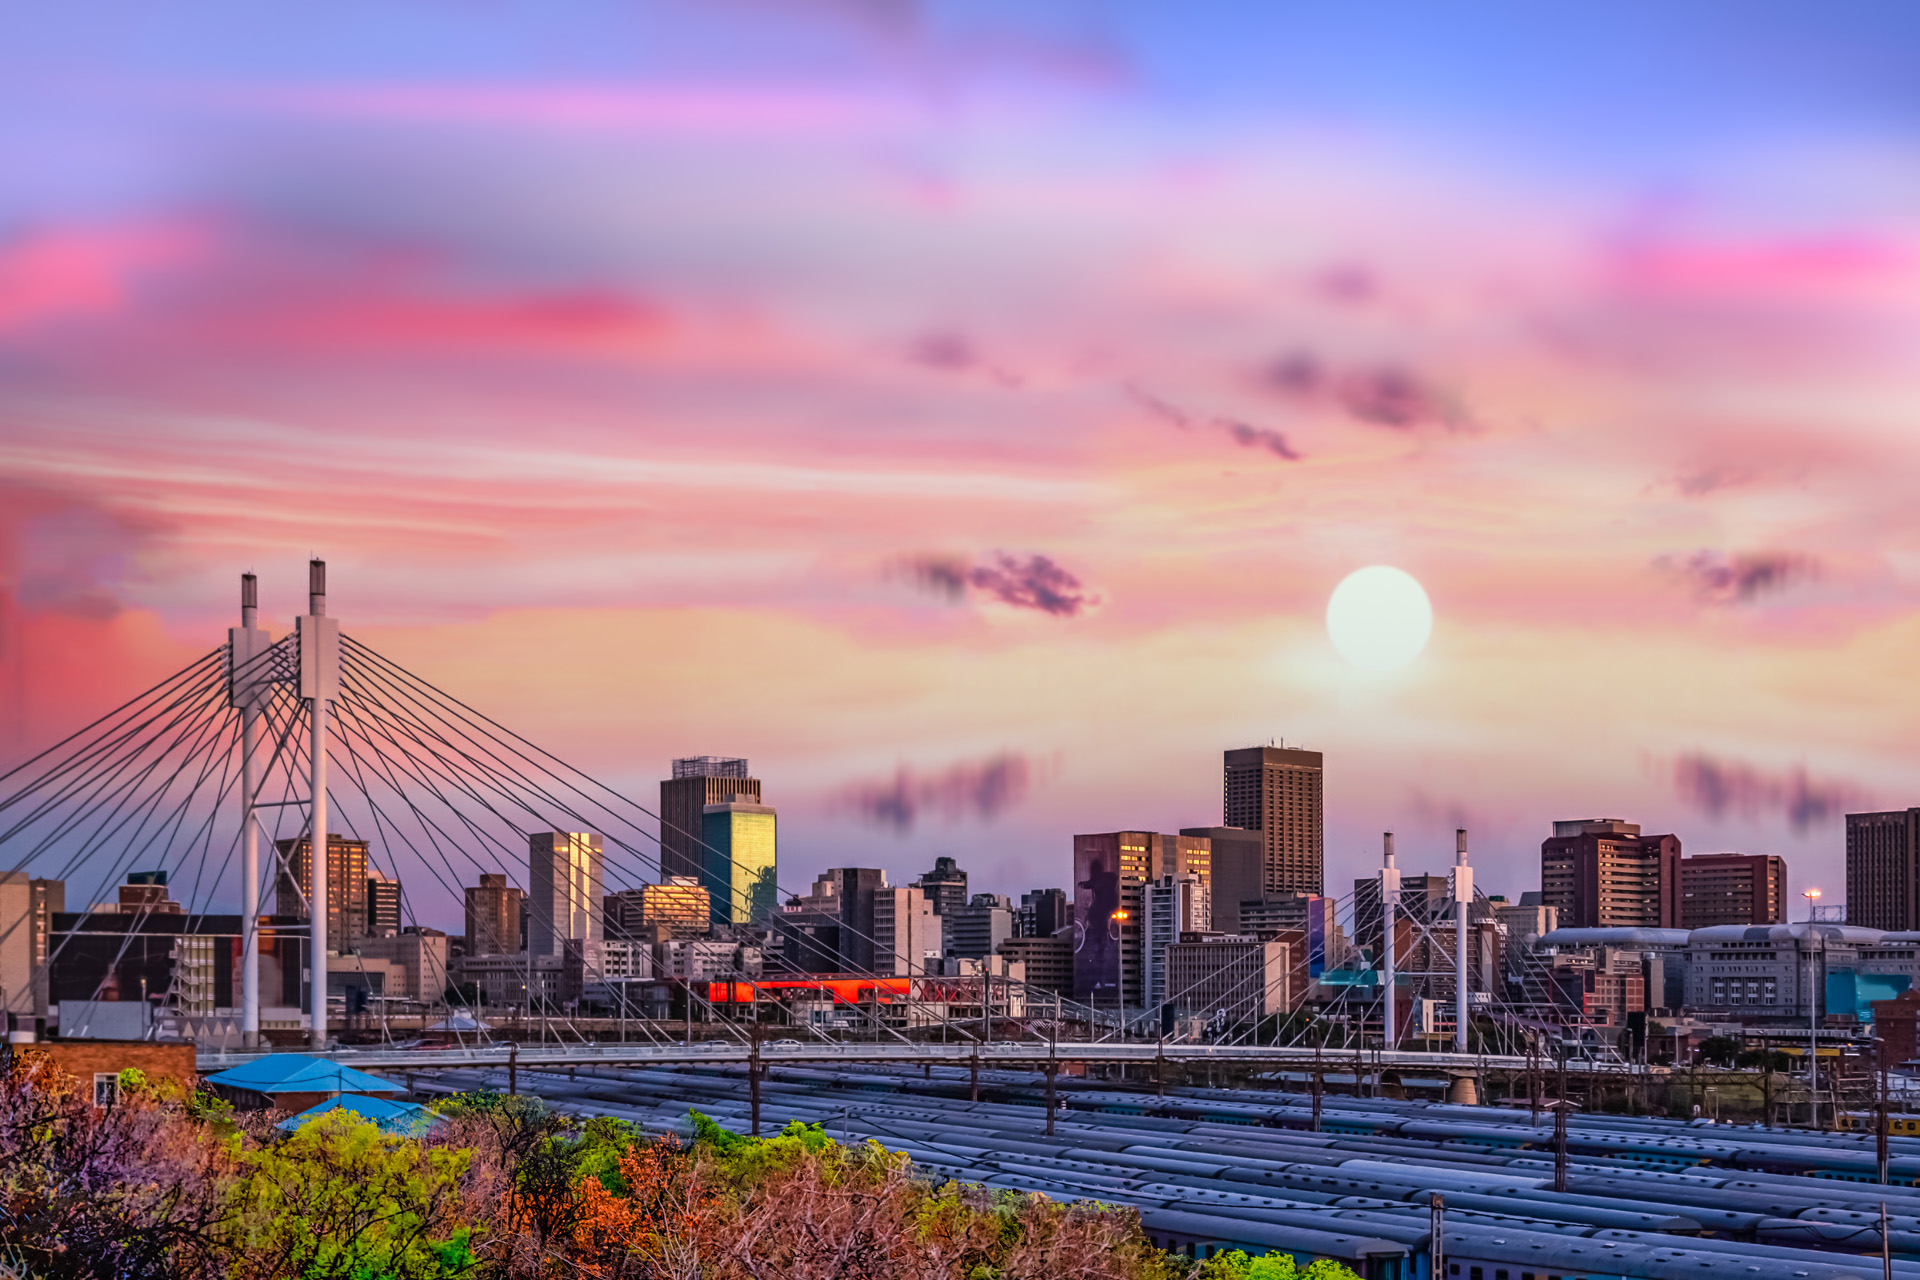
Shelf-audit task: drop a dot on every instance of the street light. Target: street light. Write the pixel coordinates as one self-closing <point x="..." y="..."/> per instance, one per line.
<point x="1813" y="1014"/>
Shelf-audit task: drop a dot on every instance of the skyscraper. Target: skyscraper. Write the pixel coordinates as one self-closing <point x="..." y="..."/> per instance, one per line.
<point x="563" y="890"/>
<point x="945" y="886"/>
<point x="1276" y="791"/>
<point x="494" y="912"/>
<point x="697" y="782"/>
<point x="1601" y="873"/>
<point x="346" y="885"/>
<point x="1110" y="873"/>
<point x="907" y="933"/>
<point x="1883" y="891"/>
<point x="1238" y="871"/>
<point x="740" y="870"/>
<point x="383" y="906"/>
<point x="1732" y="888"/>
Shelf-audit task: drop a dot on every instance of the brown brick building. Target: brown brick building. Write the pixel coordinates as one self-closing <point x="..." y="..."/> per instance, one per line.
<point x="1276" y="791"/>
<point x="1883" y="891"/>
<point x="1732" y="888"/>
<point x="1602" y="873"/>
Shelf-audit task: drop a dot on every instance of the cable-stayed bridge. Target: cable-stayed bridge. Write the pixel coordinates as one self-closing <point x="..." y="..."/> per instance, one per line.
<point x="221" y="780"/>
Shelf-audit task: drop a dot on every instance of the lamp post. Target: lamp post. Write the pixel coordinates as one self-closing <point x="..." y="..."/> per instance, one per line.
<point x="1813" y="1015"/>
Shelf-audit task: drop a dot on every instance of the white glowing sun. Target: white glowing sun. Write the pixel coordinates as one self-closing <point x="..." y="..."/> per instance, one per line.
<point x="1379" y="618"/>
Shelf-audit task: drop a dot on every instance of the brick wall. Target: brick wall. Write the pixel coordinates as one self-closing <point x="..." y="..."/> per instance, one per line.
<point x="86" y="1058"/>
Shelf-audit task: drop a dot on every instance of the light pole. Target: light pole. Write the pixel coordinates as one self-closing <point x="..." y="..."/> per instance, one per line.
<point x="1813" y="1015"/>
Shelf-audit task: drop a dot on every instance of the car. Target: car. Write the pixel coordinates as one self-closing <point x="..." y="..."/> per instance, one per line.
<point x="786" y="1044"/>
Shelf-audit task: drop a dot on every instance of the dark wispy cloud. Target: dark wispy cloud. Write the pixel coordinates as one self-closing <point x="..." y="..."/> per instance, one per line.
<point x="1382" y="395"/>
<point x="1242" y="433"/>
<point x="1719" y="578"/>
<point x="1030" y="582"/>
<point x="1717" y="787"/>
<point x="982" y="789"/>
<point x="943" y="349"/>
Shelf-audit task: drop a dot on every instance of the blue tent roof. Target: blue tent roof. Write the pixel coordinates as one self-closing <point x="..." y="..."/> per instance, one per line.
<point x="407" y="1118"/>
<point x="298" y="1073"/>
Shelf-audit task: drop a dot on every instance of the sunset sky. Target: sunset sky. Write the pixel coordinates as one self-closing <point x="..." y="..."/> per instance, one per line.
<point x="965" y="411"/>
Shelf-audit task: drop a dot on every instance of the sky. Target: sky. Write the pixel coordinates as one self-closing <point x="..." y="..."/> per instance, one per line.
<point x="965" y="412"/>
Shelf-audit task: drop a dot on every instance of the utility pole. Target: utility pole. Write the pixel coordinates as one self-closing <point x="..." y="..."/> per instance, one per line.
<point x="1053" y="1069"/>
<point x="247" y="688"/>
<point x="1813" y="1015"/>
<point x="1436" y="1237"/>
<point x="1560" y="1145"/>
<point x="1880" y="1125"/>
<point x="1462" y="899"/>
<point x="1318" y="1082"/>
<point x="974" y="1064"/>
<point x="1389" y="907"/>
<point x="753" y="1077"/>
<point x="319" y="682"/>
<point x="513" y="1069"/>
<point x="1886" y="1249"/>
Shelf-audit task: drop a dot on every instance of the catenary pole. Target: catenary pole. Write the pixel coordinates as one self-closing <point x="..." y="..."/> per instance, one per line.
<point x="1389" y="907"/>
<point x="246" y="656"/>
<point x="1462" y="898"/>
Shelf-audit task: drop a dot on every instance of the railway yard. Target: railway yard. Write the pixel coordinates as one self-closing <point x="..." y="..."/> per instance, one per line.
<point x="1360" y="1180"/>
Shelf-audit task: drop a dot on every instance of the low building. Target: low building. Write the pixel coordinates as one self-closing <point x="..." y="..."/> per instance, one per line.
<point x="506" y="981"/>
<point x="1232" y="979"/>
<point x="709" y="960"/>
<point x="976" y="931"/>
<point x="678" y="905"/>
<point x="97" y="1064"/>
<point x="1767" y="975"/>
<point x="419" y="955"/>
<point x="1048" y="962"/>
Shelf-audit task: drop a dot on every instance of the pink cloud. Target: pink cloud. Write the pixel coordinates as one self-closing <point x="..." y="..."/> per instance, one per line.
<point x="84" y="271"/>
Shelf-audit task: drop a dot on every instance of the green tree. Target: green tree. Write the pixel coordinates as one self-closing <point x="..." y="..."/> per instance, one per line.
<point x="340" y="1198"/>
<point x="1719" y="1050"/>
<point x="1271" y="1266"/>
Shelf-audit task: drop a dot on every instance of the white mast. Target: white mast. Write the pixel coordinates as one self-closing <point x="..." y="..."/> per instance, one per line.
<point x="1389" y="903"/>
<point x="319" y="681"/>
<point x="247" y="686"/>
<point x="1462" y="899"/>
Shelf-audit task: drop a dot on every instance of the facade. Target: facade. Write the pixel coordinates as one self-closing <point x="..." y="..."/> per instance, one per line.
<point x="383" y="906"/>
<point x="1235" y="980"/>
<point x="601" y="971"/>
<point x="809" y="929"/>
<point x="697" y="782"/>
<point x="1789" y="973"/>
<point x="506" y="981"/>
<point x="1110" y="874"/>
<point x="175" y="964"/>
<point x="346" y="885"/>
<point x="1315" y="917"/>
<point x="495" y="922"/>
<point x="678" y="907"/>
<point x="1043" y="913"/>
<point x="1176" y="907"/>
<point x="1732" y="888"/>
<point x="945" y="886"/>
<point x="147" y="891"/>
<point x="27" y="908"/>
<point x="1277" y="792"/>
<point x="1237" y="869"/>
<point x="563" y="890"/>
<point x="741" y="868"/>
<point x="1048" y="962"/>
<point x="977" y="930"/>
<point x="420" y="955"/>
<point x="907" y="933"/>
<point x="1601" y="873"/>
<point x="709" y="960"/>
<point x="1883" y="891"/>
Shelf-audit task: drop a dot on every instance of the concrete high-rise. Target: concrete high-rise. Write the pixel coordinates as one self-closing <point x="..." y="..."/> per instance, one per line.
<point x="563" y="890"/>
<point x="494" y="924"/>
<point x="1238" y="871"/>
<point x="27" y="908"/>
<point x="945" y="886"/>
<point x="1732" y="888"/>
<point x="346" y="886"/>
<point x="1883" y="889"/>
<point x="677" y="907"/>
<point x="742" y="861"/>
<point x="697" y="782"/>
<point x="1276" y="791"/>
<point x="907" y="933"/>
<point x="383" y="906"/>
<point x="1600" y="873"/>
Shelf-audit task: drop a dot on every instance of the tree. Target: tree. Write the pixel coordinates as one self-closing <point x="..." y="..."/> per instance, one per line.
<point x="1719" y="1050"/>
<point x="1272" y="1266"/>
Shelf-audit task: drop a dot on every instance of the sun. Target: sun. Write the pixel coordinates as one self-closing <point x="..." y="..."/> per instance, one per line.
<point x="1379" y="618"/>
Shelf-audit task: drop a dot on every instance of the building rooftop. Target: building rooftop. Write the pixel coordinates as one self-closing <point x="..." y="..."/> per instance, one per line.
<point x="711" y="767"/>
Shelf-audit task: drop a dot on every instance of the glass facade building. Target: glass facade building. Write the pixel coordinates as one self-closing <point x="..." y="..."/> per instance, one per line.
<point x="739" y="866"/>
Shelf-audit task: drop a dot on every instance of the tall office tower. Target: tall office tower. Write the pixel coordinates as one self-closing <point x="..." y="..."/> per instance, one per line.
<point x="677" y="906"/>
<point x="1732" y="888"/>
<point x="976" y="930"/>
<point x="1238" y="864"/>
<point x="346" y="885"/>
<point x="742" y="860"/>
<point x="1043" y="913"/>
<point x="1176" y="908"/>
<point x="945" y="886"/>
<point x="1883" y="891"/>
<point x="907" y="933"/>
<point x="1600" y="873"/>
<point x="1276" y="791"/>
<point x="494" y="917"/>
<point x="27" y="908"/>
<point x="563" y="890"/>
<point x="855" y="890"/>
<point x="383" y="906"/>
<point x="697" y="782"/>
<point x="1110" y="873"/>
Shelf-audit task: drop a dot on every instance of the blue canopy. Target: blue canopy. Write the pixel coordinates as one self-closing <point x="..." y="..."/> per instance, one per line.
<point x="408" y="1119"/>
<point x="298" y="1073"/>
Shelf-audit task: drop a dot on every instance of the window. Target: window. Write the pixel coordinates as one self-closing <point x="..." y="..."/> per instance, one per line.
<point x="106" y="1088"/>
<point x="1476" y="1273"/>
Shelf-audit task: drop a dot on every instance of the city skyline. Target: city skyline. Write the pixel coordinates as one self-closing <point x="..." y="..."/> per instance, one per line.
<point x="993" y="487"/>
